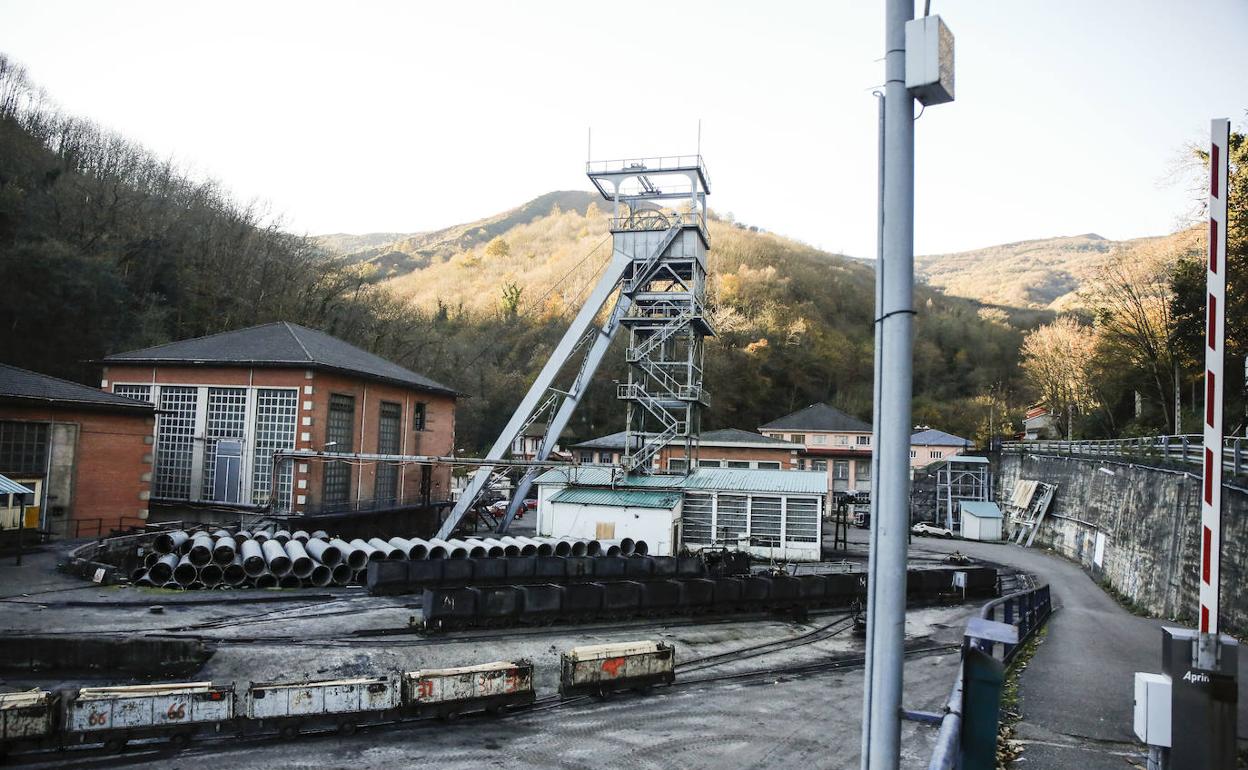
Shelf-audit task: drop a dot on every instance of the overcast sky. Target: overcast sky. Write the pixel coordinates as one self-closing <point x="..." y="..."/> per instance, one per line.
<point x="376" y="116"/>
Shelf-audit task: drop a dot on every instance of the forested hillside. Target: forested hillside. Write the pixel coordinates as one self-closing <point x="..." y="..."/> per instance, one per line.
<point x="105" y="247"/>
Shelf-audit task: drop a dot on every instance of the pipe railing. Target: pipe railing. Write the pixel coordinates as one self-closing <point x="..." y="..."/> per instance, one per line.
<point x="1025" y="610"/>
<point x="1182" y="448"/>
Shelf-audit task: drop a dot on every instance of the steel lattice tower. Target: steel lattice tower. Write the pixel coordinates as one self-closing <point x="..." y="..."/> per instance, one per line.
<point x="659" y="222"/>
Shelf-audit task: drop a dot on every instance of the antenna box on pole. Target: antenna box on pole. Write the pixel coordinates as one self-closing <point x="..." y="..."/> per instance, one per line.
<point x="929" y="60"/>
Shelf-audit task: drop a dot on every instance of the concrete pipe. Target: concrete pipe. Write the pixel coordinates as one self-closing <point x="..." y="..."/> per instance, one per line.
<point x="300" y="535"/>
<point x="545" y="549"/>
<point x="321" y="576"/>
<point x="170" y="586"/>
<point x="234" y="574"/>
<point x="289" y="581"/>
<point x="354" y="557"/>
<point x="562" y="547"/>
<point x="150" y="558"/>
<point x="275" y="556"/>
<point x="195" y="586"/>
<point x="323" y="552"/>
<point x="267" y="580"/>
<point x="415" y="547"/>
<point x="388" y="551"/>
<point x="221" y="533"/>
<point x="593" y="548"/>
<point x="260" y="536"/>
<point x="241" y="537"/>
<point x="253" y="558"/>
<point x="610" y="549"/>
<point x="144" y="580"/>
<point x="168" y="542"/>
<point x="162" y="571"/>
<point x="223" y="550"/>
<point x="494" y="548"/>
<point x="372" y="553"/>
<point x="511" y="546"/>
<point x="528" y="546"/>
<point x="640" y="548"/>
<point x="211" y="575"/>
<point x="301" y="565"/>
<point x="137" y="574"/>
<point x="579" y="548"/>
<point x="185" y="573"/>
<point x="201" y="549"/>
<point x="476" y="549"/>
<point x="281" y="536"/>
<point x="341" y="574"/>
<point x="456" y="548"/>
<point x="627" y="546"/>
<point x="322" y="534"/>
<point x="438" y="549"/>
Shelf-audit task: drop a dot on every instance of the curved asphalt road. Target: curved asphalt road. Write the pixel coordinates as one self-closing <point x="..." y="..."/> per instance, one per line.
<point x="1076" y="694"/>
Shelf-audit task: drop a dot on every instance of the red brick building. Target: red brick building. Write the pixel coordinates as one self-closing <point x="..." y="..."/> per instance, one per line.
<point x="227" y="402"/>
<point x="86" y="454"/>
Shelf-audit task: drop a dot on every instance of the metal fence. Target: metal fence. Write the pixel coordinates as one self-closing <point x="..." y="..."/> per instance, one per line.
<point x="1027" y="611"/>
<point x="1160" y="450"/>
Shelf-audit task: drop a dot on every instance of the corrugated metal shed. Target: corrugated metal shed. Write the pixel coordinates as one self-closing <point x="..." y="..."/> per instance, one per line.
<point x="10" y="487"/>
<point x="619" y="498"/>
<point x="732" y="479"/>
<point x="742" y="480"/>
<point x="981" y="509"/>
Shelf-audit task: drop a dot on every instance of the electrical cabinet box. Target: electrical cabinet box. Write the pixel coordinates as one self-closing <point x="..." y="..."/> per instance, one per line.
<point x="929" y="60"/>
<point x="1152" y="708"/>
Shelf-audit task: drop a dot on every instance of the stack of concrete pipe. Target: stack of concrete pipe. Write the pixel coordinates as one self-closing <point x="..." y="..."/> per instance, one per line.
<point x="281" y="559"/>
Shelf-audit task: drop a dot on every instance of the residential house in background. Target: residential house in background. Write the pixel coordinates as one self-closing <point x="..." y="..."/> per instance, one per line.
<point x="834" y="442"/>
<point x="929" y="445"/>
<point x="726" y="448"/>
<point x="840" y="445"/>
<point x="227" y="402"/>
<point x="525" y="445"/>
<point x="87" y="455"/>
<point x="1039" y="423"/>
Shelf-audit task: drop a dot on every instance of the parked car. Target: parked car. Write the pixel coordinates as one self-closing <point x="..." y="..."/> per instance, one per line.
<point x="927" y="528"/>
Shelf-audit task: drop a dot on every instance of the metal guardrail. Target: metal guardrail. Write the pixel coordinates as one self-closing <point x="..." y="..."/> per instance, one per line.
<point x="1025" y="610"/>
<point x="95" y="527"/>
<point x="1183" y="449"/>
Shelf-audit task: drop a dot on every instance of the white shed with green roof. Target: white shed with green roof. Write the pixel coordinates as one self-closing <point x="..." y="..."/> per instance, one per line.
<point x="773" y="514"/>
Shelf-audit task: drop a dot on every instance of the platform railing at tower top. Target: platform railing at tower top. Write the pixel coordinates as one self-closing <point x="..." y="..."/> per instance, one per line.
<point x="655" y="164"/>
<point x="1181" y="448"/>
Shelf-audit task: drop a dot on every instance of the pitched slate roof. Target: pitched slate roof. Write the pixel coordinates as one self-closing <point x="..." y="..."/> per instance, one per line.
<point x="819" y="417"/>
<point x="27" y="387"/>
<point x="615" y="441"/>
<point x="933" y="437"/>
<point x="279" y="344"/>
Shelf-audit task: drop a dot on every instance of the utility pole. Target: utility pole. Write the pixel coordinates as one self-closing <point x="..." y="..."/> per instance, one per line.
<point x="918" y="63"/>
<point x="894" y="318"/>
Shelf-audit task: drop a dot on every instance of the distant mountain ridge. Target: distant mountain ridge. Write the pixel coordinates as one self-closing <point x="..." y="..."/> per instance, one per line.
<point x="396" y="254"/>
<point x="1046" y="273"/>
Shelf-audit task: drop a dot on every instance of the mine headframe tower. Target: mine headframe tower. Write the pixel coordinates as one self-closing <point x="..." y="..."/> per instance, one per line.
<point x="657" y="274"/>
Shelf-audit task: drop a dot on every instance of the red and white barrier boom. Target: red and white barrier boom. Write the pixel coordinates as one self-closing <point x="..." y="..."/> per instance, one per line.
<point x="1215" y="338"/>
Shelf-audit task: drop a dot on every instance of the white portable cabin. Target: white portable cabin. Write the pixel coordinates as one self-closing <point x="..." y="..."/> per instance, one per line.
<point x="981" y="521"/>
<point x="772" y="514"/>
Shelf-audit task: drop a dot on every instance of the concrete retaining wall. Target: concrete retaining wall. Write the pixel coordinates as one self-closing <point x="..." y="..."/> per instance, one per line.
<point x="1149" y="519"/>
